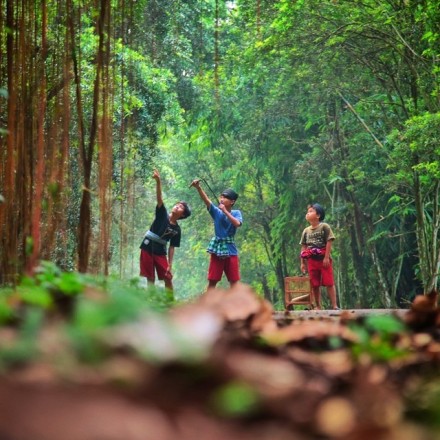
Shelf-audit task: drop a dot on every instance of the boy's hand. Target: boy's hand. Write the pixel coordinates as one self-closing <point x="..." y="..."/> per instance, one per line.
<point x="169" y="274"/>
<point x="195" y="183"/>
<point x="222" y="207"/>
<point x="156" y="175"/>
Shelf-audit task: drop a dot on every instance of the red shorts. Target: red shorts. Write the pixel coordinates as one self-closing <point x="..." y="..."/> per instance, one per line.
<point x="228" y="265"/>
<point x="320" y="275"/>
<point x="151" y="262"/>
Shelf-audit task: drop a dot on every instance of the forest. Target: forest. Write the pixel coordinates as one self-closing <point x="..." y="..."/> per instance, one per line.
<point x="288" y="102"/>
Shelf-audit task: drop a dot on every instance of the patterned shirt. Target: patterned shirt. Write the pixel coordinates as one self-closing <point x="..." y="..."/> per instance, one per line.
<point x="223" y="227"/>
<point x="317" y="237"/>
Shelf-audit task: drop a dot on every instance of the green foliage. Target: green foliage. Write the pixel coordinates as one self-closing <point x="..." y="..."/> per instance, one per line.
<point x="33" y="294"/>
<point x="94" y="305"/>
<point x="285" y="114"/>
<point x="6" y="308"/>
<point x="49" y="282"/>
<point x="416" y="149"/>
<point x="235" y="399"/>
<point x="415" y="160"/>
<point x="376" y="338"/>
<point x="116" y="304"/>
<point x="50" y="277"/>
<point x="424" y="402"/>
<point x="273" y="125"/>
<point x="24" y="348"/>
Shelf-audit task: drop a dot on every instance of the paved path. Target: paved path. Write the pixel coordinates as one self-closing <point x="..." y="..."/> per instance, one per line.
<point x="354" y="313"/>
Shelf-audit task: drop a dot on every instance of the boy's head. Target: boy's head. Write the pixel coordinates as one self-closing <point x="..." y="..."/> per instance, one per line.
<point x="183" y="208"/>
<point x="230" y="194"/>
<point x="319" y="211"/>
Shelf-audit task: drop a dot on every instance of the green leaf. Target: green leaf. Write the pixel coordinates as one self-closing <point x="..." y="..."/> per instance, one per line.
<point x="35" y="295"/>
<point x="235" y="399"/>
<point x="385" y="324"/>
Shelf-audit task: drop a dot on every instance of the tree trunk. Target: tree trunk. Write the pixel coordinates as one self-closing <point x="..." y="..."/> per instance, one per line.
<point x="217" y="54"/>
<point x="8" y="222"/>
<point x="424" y="262"/>
<point x="105" y="157"/>
<point x="37" y="199"/>
<point x="84" y="233"/>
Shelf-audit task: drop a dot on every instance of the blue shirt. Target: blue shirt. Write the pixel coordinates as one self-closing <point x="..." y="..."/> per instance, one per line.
<point x="223" y="227"/>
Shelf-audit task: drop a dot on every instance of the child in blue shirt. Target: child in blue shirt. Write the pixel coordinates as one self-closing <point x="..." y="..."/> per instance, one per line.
<point x="222" y="248"/>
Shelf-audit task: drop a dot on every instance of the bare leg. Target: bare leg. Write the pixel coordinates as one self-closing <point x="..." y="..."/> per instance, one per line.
<point x="168" y="284"/>
<point x="169" y="289"/>
<point x="331" y="292"/>
<point x="212" y="284"/>
<point x="316" y="292"/>
<point x="232" y="283"/>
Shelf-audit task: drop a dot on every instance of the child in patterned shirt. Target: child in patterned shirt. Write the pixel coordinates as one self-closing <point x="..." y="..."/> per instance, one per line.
<point x="316" y="245"/>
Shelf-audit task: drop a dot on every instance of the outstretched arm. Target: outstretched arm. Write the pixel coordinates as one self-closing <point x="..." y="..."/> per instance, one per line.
<point x="156" y="177"/>
<point x="202" y="194"/>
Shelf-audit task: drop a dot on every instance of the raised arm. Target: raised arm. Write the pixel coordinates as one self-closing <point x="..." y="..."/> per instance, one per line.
<point x="202" y="194"/>
<point x="156" y="177"/>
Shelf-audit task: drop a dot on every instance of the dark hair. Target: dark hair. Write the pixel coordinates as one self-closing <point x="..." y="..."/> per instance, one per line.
<point x="186" y="210"/>
<point x="230" y="194"/>
<point x="319" y="210"/>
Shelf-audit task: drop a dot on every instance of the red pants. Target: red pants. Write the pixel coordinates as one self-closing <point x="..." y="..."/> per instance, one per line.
<point x="320" y="275"/>
<point x="150" y="262"/>
<point x="228" y="265"/>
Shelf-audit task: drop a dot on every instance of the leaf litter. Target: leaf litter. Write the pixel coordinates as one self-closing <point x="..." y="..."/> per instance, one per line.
<point x="222" y="368"/>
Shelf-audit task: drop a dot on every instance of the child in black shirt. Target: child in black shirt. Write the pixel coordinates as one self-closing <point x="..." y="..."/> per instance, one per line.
<point x="163" y="230"/>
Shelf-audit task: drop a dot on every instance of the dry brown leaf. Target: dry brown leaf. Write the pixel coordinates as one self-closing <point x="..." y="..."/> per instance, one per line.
<point x="185" y="335"/>
<point x="271" y="376"/>
<point x="335" y="417"/>
<point x="425" y="303"/>
<point x="424" y="312"/>
<point x="238" y="303"/>
<point x="331" y="363"/>
<point x="420" y="340"/>
<point x="263" y="321"/>
<point x="377" y="402"/>
<point x="319" y="330"/>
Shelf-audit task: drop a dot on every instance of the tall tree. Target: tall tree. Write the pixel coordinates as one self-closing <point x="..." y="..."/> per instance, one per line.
<point x="87" y="149"/>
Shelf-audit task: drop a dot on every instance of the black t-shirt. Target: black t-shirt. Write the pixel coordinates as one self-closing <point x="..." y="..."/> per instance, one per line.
<point x="162" y="227"/>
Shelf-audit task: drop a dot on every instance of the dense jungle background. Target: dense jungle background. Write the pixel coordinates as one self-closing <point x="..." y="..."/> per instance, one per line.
<point x="288" y="102"/>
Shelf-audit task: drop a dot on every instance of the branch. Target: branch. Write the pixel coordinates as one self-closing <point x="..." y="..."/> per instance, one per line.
<point x="378" y="142"/>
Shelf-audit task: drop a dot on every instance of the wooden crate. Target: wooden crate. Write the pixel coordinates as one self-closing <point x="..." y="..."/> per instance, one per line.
<point x="297" y="291"/>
